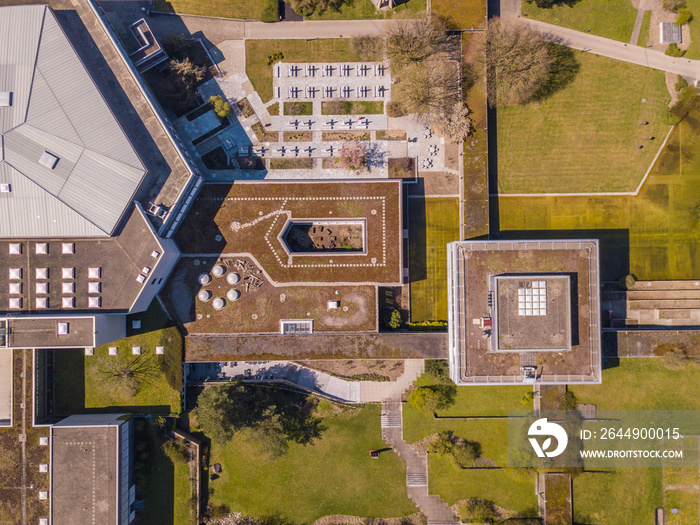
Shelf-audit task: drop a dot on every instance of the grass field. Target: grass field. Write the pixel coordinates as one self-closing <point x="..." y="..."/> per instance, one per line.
<point x="219" y="8"/>
<point x="461" y="14"/>
<point x="335" y="475"/>
<point x="364" y="9"/>
<point x="433" y="222"/>
<point x="660" y="224"/>
<point x="322" y="50"/>
<point x="584" y="138"/>
<point x="694" y="25"/>
<point x="643" y="39"/>
<point x="608" y="18"/>
<point x="681" y="487"/>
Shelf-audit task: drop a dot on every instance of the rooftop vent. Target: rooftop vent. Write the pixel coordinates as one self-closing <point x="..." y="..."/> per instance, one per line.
<point x="43" y="441"/>
<point x="136" y="350"/>
<point x="155" y="254"/>
<point x="42" y="302"/>
<point x="15" y="248"/>
<point x="42" y="248"/>
<point x="68" y="287"/>
<point x="160" y="350"/>
<point x="43" y="521"/>
<point x="15" y="273"/>
<point x="43" y="467"/>
<point x="5" y="188"/>
<point x="95" y="287"/>
<point x="204" y="295"/>
<point x="141" y="278"/>
<point x="5" y="99"/>
<point x="89" y="351"/>
<point x="68" y="302"/>
<point x="15" y="288"/>
<point x="95" y="272"/>
<point x="49" y="160"/>
<point x="113" y="350"/>
<point x="42" y="288"/>
<point x="94" y="302"/>
<point x="43" y="494"/>
<point x="233" y="278"/>
<point x="68" y="273"/>
<point x="67" y="248"/>
<point x="42" y="273"/>
<point x="63" y="328"/>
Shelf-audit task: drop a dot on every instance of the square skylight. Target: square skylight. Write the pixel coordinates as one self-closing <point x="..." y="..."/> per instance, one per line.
<point x="15" y="288"/>
<point x="113" y="350"/>
<point x="94" y="302"/>
<point x="5" y="99"/>
<point x="160" y="350"/>
<point x="68" y="302"/>
<point x="62" y="328"/>
<point x="5" y="188"/>
<point x="141" y="278"/>
<point x="146" y="270"/>
<point x="95" y="272"/>
<point x="136" y="350"/>
<point x="42" y="302"/>
<point x="42" y="288"/>
<point x="43" y="441"/>
<point x="67" y="248"/>
<point x="43" y="467"/>
<point x="15" y="273"/>
<point x="94" y="287"/>
<point x="68" y="273"/>
<point x="49" y="160"/>
<point x="42" y="273"/>
<point x="89" y="351"/>
<point x="42" y="248"/>
<point x="68" y="287"/>
<point x="15" y="303"/>
<point x="15" y="248"/>
<point x="43" y="494"/>
<point x="155" y="254"/>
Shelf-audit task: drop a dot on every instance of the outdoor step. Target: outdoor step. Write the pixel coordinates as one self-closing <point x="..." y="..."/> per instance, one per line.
<point x="416" y="480"/>
<point x="391" y="420"/>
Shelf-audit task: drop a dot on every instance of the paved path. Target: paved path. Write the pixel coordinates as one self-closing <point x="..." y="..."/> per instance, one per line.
<point x="617" y="50"/>
<point x="644" y="6"/>
<point x="434" y="508"/>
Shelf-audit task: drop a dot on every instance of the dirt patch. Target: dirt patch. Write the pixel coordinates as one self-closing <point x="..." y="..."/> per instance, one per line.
<point x="304" y="163"/>
<point x="435" y="183"/>
<point x="342" y="519"/>
<point x="452" y="156"/>
<point x="335" y="136"/>
<point x="263" y="135"/>
<point x="403" y="168"/>
<point x="297" y="136"/>
<point x="392" y="134"/>
<point x="358" y="370"/>
<point x="245" y="108"/>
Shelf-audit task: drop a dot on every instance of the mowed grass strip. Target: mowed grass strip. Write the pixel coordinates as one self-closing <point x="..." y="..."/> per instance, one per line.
<point x="584" y="138"/>
<point x="461" y="14"/>
<point x="433" y="222"/>
<point x="334" y="475"/>
<point x="322" y="50"/>
<point x="661" y="224"/>
<point x="607" y="18"/>
<point x="364" y="9"/>
<point x="694" y="25"/>
<point x="249" y="9"/>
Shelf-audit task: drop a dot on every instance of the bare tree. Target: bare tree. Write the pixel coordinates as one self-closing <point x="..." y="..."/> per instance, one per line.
<point x="368" y="48"/>
<point x="455" y="125"/>
<point x="411" y="40"/>
<point x="518" y="62"/>
<point x="429" y="89"/>
<point x="126" y="374"/>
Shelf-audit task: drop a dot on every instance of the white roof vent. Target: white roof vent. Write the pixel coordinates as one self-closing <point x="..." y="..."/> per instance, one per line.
<point x="15" y="303"/>
<point x="155" y="254"/>
<point x="67" y="248"/>
<point x="141" y="278"/>
<point x="42" y="273"/>
<point x="332" y="305"/>
<point x="89" y="350"/>
<point x="15" y="273"/>
<point x="43" y="467"/>
<point x="42" y="248"/>
<point x="136" y="350"/>
<point x="49" y="160"/>
<point x="68" y="287"/>
<point x="94" y="287"/>
<point x="94" y="302"/>
<point x="63" y="328"/>
<point x="15" y="248"/>
<point x="68" y="273"/>
<point x="95" y="273"/>
<point x="5" y="188"/>
<point x="43" y="441"/>
<point x="160" y="350"/>
<point x="5" y="99"/>
<point x="42" y="302"/>
<point x="42" y="288"/>
<point x="113" y="350"/>
<point x="43" y="494"/>
<point x="15" y="288"/>
<point x="68" y="302"/>
<point x="43" y="521"/>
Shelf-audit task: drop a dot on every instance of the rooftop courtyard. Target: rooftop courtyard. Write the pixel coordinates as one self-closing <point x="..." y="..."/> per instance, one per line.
<point x="524" y="312"/>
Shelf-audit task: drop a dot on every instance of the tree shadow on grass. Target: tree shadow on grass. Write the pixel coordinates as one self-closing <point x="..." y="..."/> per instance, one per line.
<point x="565" y="67"/>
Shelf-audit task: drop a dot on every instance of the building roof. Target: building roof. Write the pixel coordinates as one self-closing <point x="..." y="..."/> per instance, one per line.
<point x="560" y="344"/>
<point x="56" y="108"/>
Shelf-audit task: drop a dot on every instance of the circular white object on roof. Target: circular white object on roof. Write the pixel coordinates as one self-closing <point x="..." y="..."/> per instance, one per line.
<point x="204" y="278"/>
<point x="233" y="278"/>
<point x="233" y="295"/>
<point x="204" y="295"/>
<point x="218" y="303"/>
<point x="218" y="270"/>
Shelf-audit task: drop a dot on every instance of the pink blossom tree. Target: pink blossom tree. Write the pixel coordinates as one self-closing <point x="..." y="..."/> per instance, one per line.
<point x="353" y="155"/>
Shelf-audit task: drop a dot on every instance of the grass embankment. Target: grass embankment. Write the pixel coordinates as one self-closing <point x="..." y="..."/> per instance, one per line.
<point x="433" y="222"/>
<point x="250" y="9"/>
<point x="364" y="9"/>
<point x="461" y="14"/>
<point x="334" y="475"/>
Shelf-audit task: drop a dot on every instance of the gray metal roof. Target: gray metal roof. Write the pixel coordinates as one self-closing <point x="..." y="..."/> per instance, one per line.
<point x="57" y="108"/>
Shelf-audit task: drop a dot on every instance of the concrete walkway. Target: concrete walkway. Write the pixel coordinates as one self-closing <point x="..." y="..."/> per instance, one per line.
<point x="434" y="508"/>
<point x="644" y="6"/>
<point x="617" y="50"/>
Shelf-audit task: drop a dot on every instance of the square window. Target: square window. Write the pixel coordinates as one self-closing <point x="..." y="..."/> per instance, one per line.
<point x="94" y="273"/>
<point x="68" y="287"/>
<point x="15" y="288"/>
<point x="94" y="302"/>
<point x="89" y="351"/>
<point x="15" y="248"/>
<point x="94" y="287"/>
<point x="42" y="273"/>
<point x="42" y="288"/>
<point x="42" y="302"/>
<point x="68" y="273"/>
<point x="63" y="328"/>
<point x="68" y="302"/>
<point x="15" y="303"/>
<point x="42" y="248"/>
<point x="136" y="324"/>
<point x="15" y="273"/>
<point x="67" y="248"/>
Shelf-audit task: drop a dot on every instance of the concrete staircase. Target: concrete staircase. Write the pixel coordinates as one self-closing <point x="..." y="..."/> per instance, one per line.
<point x="435" y="509"/>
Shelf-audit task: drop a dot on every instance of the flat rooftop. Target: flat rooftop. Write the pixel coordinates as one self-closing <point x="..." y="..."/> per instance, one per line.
<point x="251" y="219"/>
<point x="533" y="313"/>
<point x="84" y="475"/>
<point x="485" y="279"/>
<point x="43" y="332"/>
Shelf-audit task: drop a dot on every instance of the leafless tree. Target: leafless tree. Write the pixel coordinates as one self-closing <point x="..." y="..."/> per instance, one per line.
<point x="126" y="374"/>
<point x="411" y="40"/>
<point x="518" y="62"/>
<point x="455" y="125"/>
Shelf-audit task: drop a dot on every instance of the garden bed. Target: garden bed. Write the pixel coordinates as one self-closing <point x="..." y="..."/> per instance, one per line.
<point x="392" y="134"/>
<point x="297" y="136"/>
<point x="264" y="135"/>
<point x="298" y="108"/>
<point x="303" y="163"/>
<point x="371" y="107"/>
<point x="331" y="136"/>
<point x="245" y="107"/>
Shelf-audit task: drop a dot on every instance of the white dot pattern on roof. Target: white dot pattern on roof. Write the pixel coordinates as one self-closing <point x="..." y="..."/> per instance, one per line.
<point x="532" y="299"/>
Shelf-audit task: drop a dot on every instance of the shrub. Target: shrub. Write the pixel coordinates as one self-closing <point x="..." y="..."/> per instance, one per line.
<point x="395" y="321"/>
<point x="681" y="83"/>
<point x="271" y="59"/>
<point x="221" y="107"/>
<point x="465" y="453"/>
<point x="670" y="118"/>
<point x="270" y="11"/>
<point x="674" y="51"/>
<point x="368" y="48"/>
<point x="438" y="369"/>
<point x="684" y="16"/>
<point x="673" y="5"/>
<point x="176" y="451"/>
<point x="428" y="326"/>
<point x="395" y="109"/>
<point x="478" y="511"/>
<point x="676" y="358"/>
<point x="442" y="443"/>
<point x="431" y="398"/>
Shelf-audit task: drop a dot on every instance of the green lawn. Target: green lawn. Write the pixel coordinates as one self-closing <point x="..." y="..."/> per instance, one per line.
<point x="360" y="107"/>
<point x="660" y="225"/>
<point x="335" y="475"/>
<point x="461" y="14"/>
<point x="433" y="222"/>
<point x="644" y="31"/>
<point x="694" y="49"/>
<point x="298" y="108"/>
<point x="218" y="8"/>
<point x="364" y="9"/>
<point x="608" y="18"/>
<point x="314" y="50"/>
<point x="584" y="138"/>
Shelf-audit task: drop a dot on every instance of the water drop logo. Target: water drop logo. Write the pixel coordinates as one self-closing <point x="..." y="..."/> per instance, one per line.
<point x="542" y="427"/>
